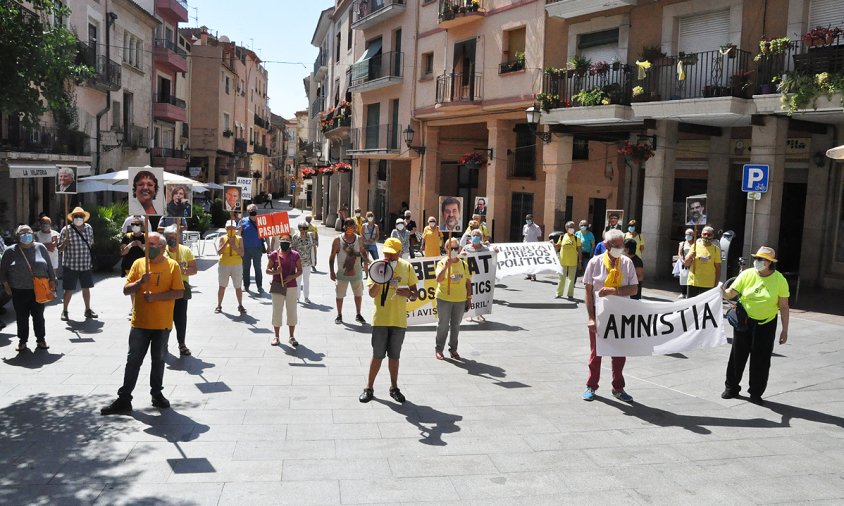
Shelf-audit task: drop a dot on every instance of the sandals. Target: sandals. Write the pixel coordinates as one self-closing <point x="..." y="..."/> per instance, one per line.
<point x="293" y="342"/>
<point x="218" y="309"/>
<point x="184" y="351"/>
<point x="454" y="354"/>
<point x="274" y="342"/>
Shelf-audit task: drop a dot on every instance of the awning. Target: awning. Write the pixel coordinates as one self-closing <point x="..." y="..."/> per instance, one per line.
<point x="31" y="170"/>
<point x="360" y="70"/>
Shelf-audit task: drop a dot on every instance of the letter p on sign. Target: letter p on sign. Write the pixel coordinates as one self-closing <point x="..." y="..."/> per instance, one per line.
<point x="755" y="178"/>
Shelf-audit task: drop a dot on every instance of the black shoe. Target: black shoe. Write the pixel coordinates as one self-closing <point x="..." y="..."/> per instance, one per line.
<point x="339" y="319"/>
<point x="64" y="317"/>
<point x="757" y="399"/>
<point x="159" y="401"/>
<point x="89" y="313"/>
<point x="118" y="407"/>
<point x="367" y="395"/>
<point x="360" y="319"/>
<point x="729" y="393"/>
<point x="396" y="394"/>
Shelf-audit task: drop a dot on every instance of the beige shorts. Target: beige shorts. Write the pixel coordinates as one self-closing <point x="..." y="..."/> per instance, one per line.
<point x="343" y="287"/>
<point x="233" y="272"/>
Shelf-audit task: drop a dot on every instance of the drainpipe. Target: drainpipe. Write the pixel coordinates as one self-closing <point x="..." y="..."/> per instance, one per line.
<point x="110" y="19"/>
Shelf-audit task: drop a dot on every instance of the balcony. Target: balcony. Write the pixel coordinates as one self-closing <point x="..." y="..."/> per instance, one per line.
<point x="169" y="55"/>
<point x="169" y="108"/>
<point x="107" y="73"/>
<point x="136" y="137"/>
<point x="599" y="96"/>
<point x="317" y="106"/>
<point x="336" y="127"/>
<point x="573" y="8"/>
<point x="380" y="71"/>
<point x="705" y="88"/>
<point x="44" y="139"/>
<point x="376" y="141"/>
<point x="261" y="122"/>
<point x="261" y="150"/>
<point x="454" y="13"/>
<point x="240" y="146"/>
<point x="458" y="89"/>
<point x="170" y="159"/>
<point x="173" y="8"/>
<point x="320" y="66"/>
<point x="368" y="13"/>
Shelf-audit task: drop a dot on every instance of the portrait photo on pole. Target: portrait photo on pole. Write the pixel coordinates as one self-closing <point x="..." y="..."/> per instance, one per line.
<point x="451" y="214"/>
<point x="696" y="210"/>
<point x="614" y="219"/>
<point x="66" y="180"/>
<point x="481" y="205"/>
<point x="146" y="191"/>
<point x="179" y="200"/>
<point x="231" y="197"/>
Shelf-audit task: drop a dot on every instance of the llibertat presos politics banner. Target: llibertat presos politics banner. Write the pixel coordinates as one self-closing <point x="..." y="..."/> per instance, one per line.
<point x="523" y="258"/>
<point x="633" y="328"/>
<point x="424" y="309"/>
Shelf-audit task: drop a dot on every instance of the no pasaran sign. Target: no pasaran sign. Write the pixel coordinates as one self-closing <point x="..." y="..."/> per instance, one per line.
<point x="271" y="225"/>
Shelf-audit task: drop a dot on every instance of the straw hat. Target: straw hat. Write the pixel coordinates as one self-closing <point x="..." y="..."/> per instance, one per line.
<point x="392" y="246"/>
<point x="766" y="253"/>
<point x="78" y="210"/>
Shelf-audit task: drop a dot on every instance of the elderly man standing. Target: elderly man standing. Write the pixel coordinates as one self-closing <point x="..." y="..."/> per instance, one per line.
<point x="157" y="286"/>
<point x="348" y="249"/>
<point x="610" y="273"/>
<point x="253" y="248"/>
<point x="531" y="233"/>
<point x="704" y="263"/>
<point x="76" y="241"/>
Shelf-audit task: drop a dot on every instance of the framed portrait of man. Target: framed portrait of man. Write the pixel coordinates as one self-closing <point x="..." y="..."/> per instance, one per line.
<point x="451" y="214"/>
<point x="232" y="197"/>
<point x="481" y="205"/>
<point x="179" y="199"/>
<point x="614" y="220"/>
<point x="66" y="180"/>
<point x="146" y="191"/>
<point x="696" y="210"/>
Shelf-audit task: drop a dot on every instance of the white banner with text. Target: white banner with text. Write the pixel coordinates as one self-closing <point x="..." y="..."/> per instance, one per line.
<point x="523" y="258"/>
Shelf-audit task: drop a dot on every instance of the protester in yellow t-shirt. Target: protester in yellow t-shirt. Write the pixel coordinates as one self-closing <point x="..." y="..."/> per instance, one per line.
<point x="454" y="296"/>
<point x="432" y="238"/>
<point x="358" y="221"/>
<point x="230" y="266"/>
<point x="156" y="286"/>
<point x="569" y="247"/>
<point x="187" y="263"/>
<point x="704" y="261"/>
<point x="764" y="293"/>
<point x="389" y="320"/>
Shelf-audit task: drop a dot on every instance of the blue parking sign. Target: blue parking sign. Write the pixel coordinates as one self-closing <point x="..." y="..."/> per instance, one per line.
<point x="754" y="178"/>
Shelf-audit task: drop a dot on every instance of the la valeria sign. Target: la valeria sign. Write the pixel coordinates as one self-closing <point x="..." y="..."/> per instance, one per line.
<point x="271" y="225"/>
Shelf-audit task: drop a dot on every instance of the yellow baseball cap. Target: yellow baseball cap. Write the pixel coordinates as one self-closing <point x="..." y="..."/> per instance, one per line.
<point x="392" y="246"/>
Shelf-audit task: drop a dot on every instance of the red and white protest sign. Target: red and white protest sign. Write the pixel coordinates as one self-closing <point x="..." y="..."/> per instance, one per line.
<point x="274" y="224"/>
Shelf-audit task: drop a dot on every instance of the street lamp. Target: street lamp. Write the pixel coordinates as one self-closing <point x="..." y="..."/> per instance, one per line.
<point x="534" y="115"/>
<point x="408" y="139"/>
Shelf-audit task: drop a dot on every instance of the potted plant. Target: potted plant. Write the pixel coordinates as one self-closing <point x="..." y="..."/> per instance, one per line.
<point x="106" y="222"/>
<point x="548" y="101"/>
<point x="653" y="54"/>
<point x="308" y="172"/>
<point x="728" y="50"/>
<point x="599" y="68"/>
<point x="821" y="36"/>
<point x="519" y="62"/>
<point x="579" y="65"/>
<point x="740" y="82"/>
<point x="637" y="152"/>
<point x="688" y="58"/>
<point x="227" y="133"/>
<point x="472" y="160"/>
<point x="616" y="65"/>
<point x="474" y="5"/>
<point x="342" y="167"/>
<point x="595" y="96"/>
<point x="326" y="170"/>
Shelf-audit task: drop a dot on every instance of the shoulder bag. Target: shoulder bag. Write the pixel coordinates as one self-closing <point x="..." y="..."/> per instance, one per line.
<point x="43" y="292"/>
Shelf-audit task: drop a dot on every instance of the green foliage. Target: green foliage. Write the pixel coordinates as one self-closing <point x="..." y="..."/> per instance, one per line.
<point x="107" y="222"/>
<point x="580" y="64"/>
<point x="200" y="221"/>
<point x="801" y="91"/>
<point x="595" y="96"/>
<point x="38" y="62"/>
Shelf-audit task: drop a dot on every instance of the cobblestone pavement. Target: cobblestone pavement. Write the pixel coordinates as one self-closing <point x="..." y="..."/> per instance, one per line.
<point x="255" y="424"/>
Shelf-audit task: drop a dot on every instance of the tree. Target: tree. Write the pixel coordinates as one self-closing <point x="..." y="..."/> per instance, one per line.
<point x="38" y="61"/>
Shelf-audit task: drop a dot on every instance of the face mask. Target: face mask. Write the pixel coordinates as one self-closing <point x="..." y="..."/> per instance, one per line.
<point x="529" y="222"/>
<point x="309" y="221"/>
<point x="570" y="230"/>
<point x="476" y="240"/>
<point x="26" y="238"/>
<point x="399" y="227"/>
<point x="689" y="237"/>
<point x="253" y="213"/>
<point x="45" y="227"/>
<point x="432" y="225"/>
<point x="136" y="228"/>
<point x="759" y="265"/>
<point x="154" y="251"/>
<point x="350" y="230"/>
<point x="707" y="240"/>
<point x="583" y="227"/>
<point x="631" y="229"/>
<point x="616" y="252"/>
<point x="393" y="264"/>
<point x="452" y="253"/>
<point x="78" y="221"/>
<point x="370" y="219"/>
<point x="171" y="243"/>
<point x="284" y="245"/>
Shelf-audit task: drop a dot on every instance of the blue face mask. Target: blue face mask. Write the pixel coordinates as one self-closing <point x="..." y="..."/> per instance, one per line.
<point x="476" y="240"/>
<point x="631" y="229"/>
<point x="689" y="237"/>
<point x="26" y="238"/>
<point x="529" y="222"/>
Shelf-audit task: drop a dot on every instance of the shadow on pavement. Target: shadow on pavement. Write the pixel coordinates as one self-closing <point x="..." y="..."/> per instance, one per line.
<point x="319" y="307"/>
<point x="203" y="264"/>
<point x="190" y="364"/>
<point x="85" y="327"/>
<point x="692" y="423"/>
<point x="432" y="424"/>
<point x="307" y="356"/>
<point x="33" y="359"/>
<point x="789" y="412"/>
<point x="536" y="305"/>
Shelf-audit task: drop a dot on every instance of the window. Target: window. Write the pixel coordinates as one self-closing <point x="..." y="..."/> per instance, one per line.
<point x="580" y="149"/>
<point x="227" y="85"/>
<point x="523" y="162"/>
<point x="703" y="32"/>
<point x="514" y="44"/>
<point x="428" y="64"/>
<point x="599" y="46"/>
<point x="116" y="109"/>
<point x="349" y="32"/>
<point x="337" y="48"/>
<point x="132" y="50"/>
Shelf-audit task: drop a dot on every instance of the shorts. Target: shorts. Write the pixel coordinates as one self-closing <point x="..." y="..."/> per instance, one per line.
<point x="387" y="341"/>
<point x="235" y="272"/>
<point x="70" y="278"/>
<point x="343" y="286"/>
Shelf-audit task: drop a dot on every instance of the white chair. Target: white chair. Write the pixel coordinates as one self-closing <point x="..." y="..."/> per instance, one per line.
<point x="191" y="240"/>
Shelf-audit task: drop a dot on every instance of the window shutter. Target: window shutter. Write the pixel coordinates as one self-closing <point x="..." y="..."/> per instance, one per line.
<point x="704" y="32"/>
<point x="606" y="52"/>
<point x="826" y="13"/>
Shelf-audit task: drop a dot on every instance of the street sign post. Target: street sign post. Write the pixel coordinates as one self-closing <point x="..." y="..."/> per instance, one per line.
<point x="754" y="181"/>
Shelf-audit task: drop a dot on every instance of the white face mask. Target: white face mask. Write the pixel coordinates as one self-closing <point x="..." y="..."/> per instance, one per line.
<point x="399" y="227"/>
<point x="452" y="253"/>
<point x="616" y="252"/>
<point x="370" y="219"/>
<point x="136" y="228"/>
<point x="759" y="265"/>
<point x="393" y="264"/>
<point x="570" y="230"/>
<point x="357" y="215"/>
<point x="78" y="221"/>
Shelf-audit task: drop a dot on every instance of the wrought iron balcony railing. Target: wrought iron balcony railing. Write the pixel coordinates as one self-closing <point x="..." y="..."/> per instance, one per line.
<point x="459" y="87"/>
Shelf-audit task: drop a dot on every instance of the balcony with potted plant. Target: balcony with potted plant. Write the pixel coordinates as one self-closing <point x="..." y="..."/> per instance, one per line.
<point x="517" y="64"/>
<point x="587" y="92"/>
<point x="335" y="122"/>
<point x="454" y="13"/>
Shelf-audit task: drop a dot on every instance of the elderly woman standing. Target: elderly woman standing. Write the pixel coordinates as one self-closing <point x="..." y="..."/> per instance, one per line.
<point x="303" y="243"/>
<point x="21" y="263"/>
<point x="764" y="294"/>
<point x="683" y="249"/>
<point x="401" y="233"/>
<point x="285" y="266"/>
<point x="454" y="297"/>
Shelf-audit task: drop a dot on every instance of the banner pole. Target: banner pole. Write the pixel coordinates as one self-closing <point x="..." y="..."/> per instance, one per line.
<point x="146" y="242"/>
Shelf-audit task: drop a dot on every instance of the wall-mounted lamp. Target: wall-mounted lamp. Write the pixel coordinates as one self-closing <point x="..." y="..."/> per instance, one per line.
<point x="408" y="139"/>
<point x="534" y="115"/>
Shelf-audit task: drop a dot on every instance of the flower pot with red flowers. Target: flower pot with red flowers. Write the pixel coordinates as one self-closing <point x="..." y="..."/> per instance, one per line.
<point x="308" y="172"/>
<point x="472" y="160"/>
<point x="342" y="167"/>
<point x="326" y="171"/>
<point x="821" y="36"/>
<point x="636" y="151"/>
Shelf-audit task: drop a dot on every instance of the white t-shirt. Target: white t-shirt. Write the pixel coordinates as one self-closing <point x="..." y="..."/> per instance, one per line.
<point x="532" y="232"/>
<point x="596" y="273"/>
<point x="46" y="238"/>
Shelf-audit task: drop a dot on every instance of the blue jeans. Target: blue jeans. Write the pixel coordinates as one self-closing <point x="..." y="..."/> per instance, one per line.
<point x="372" y="249"/>
<point x="252" y="256"/>
<point x="139" y="341"/>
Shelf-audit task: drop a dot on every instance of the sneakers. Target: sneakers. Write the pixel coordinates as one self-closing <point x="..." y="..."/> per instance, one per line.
<point x="367" y="395"/>
<point x="729" y="393"/>
<point x="454" y="354"/>
<point x="118" y="407"/>
<point x="64" y="316"/>
<point x="89" y="313"/>
<point x="308" y="301"/>
<point x="588" y="394"/>
<point x="396" y="394"/>
<point x="339" y="319"/>
<point x="159" y="401"/>
<point x="241" y="309"/>
<point x="622" y="395"/>
<point x="359" y="319"/>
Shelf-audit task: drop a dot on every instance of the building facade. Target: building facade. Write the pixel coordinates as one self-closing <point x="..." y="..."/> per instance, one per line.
<point x="170" y="134"/>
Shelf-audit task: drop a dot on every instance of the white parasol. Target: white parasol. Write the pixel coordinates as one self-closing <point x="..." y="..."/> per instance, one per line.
<point x="119" y="182"/>
<point x="836" y="153"/>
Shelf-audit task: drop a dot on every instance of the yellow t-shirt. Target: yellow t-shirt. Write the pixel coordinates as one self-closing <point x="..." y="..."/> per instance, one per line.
<point x="394" y="311"/>
<point x="433" y="241"/>
<point x="312" y="229"/>
<point x="760" y="295"/>
<point x="457" y="281"/>
<point x="702" y="270"/>
<point x="485" y="231"/>
<point x="569" y="248"/>
<point x="358" y="225"/>
<point x="229" y="254"/>
<point x="164" y="277"/>
<point x="640" y="241"/>
<point x="185" y="255"/>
